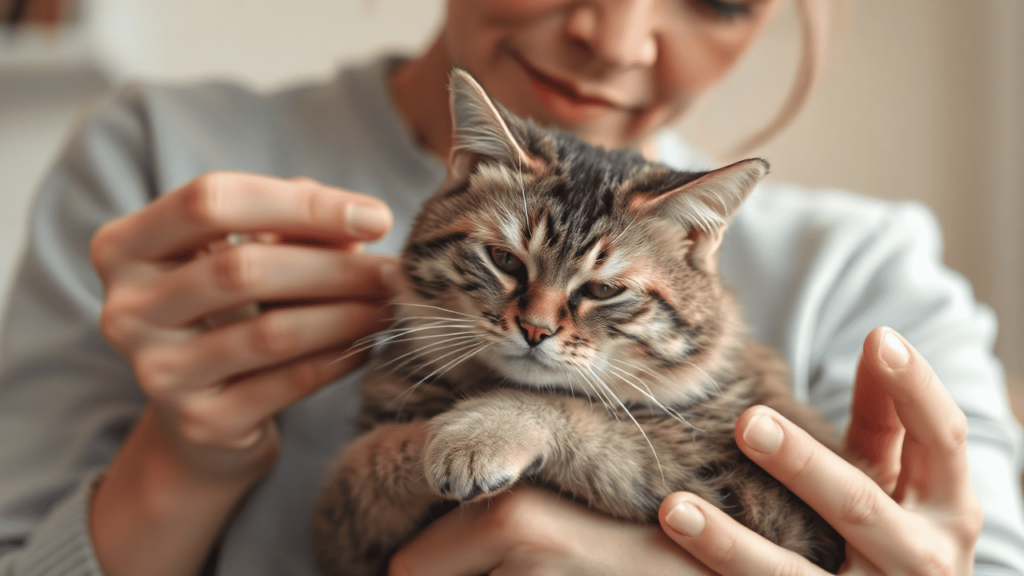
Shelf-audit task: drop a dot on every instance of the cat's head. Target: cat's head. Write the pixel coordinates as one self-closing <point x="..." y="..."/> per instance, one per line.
<point x="558" y="264"/>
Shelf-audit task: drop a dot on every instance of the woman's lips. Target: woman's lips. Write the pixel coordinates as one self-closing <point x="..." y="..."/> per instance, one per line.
<point x="563" y="100"/>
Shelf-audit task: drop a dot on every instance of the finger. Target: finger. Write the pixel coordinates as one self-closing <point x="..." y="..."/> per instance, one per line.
<point x="936" y="428"/>
<point x="874" y="437"/>
<point x="272" y="338"/>
<point x="232" y="416"/>
<point x="454" y="545"/>
<point x="258" y="273"/>
<point x="216" y="204"/>
<point x="843" y="495"/>
<point x="721" y="543"/>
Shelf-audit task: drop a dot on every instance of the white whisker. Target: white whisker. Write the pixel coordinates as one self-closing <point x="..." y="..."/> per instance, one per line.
<point x="433" y="307"/>
<point x="435" y="347"/>
<point x="638" y="426"/>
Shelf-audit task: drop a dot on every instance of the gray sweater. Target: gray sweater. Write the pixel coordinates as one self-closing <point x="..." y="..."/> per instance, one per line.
<point x="814" y="271"/>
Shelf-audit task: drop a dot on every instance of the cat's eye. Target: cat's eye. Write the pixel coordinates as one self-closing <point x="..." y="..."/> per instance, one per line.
<point x="506" y="261"/>
<point x="601" y="290"/>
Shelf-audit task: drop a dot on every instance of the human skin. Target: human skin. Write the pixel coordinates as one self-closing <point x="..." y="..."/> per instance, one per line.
<point x="611" y="71"/>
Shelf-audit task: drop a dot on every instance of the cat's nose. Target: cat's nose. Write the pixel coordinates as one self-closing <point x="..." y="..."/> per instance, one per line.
<point x="534" y="333"/>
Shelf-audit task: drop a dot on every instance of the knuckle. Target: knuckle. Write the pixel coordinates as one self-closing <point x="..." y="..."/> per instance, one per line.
<point x="935" y="560"/>
<point x="971" y="520"/>
<point x="237" y="270"/>
<point x="195" y="429"/>
<point x="156" y="372"/>
<point x="103" y="249"/>
<point x="860" y="506"/>
<point x="114" y="321"/>
<point x="724" y="550"/>
<point x="274" y="335"/>
<point x="322" y="207"/>
<point x="514" y="515"/>
<point x="956" y="438"/>
<point x="205" y="197"/>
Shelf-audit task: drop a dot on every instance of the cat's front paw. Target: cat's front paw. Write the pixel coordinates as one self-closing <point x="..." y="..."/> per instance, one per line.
<point x="471" y="455"/>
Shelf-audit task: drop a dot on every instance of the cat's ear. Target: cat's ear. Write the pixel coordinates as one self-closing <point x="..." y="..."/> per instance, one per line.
<point x="704" y="205"/>
<point x="481" y="130"/>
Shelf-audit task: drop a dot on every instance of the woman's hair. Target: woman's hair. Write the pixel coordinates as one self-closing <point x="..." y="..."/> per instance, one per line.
<point x="814" y="23"/>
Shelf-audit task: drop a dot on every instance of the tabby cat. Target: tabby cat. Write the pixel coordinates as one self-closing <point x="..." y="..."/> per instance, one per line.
<point x="562" y="323"/>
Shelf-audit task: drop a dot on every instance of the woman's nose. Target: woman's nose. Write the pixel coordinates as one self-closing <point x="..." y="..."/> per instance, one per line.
<point x="619" y="32"/>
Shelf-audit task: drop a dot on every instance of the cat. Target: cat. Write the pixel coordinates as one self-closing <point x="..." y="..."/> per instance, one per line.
<point x="562" y="323"/>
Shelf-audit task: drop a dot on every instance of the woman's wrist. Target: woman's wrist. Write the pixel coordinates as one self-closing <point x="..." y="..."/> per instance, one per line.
<point x="158" y="510"/>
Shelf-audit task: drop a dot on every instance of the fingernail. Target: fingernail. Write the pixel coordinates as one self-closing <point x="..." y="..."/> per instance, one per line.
<point x="364" y="221"/>
<point x="685" y="519"/>
<point x="894" y="353"/>
<point x="763" y="434"/>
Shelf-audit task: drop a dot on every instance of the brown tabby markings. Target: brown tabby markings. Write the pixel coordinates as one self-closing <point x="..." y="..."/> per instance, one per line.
<point x="564" y="324"/>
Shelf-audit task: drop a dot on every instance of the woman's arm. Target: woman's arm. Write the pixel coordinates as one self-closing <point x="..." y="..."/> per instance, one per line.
<point x="182" y="419"/>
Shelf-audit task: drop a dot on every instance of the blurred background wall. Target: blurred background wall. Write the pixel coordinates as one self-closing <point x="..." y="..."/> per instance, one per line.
<point x="919" y="100"/>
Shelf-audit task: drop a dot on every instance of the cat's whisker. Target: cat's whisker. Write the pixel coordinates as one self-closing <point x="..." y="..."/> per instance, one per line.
<point x="433" y="349"/>
<point x="622" y="375"/>
<point x="454" y="341"/>
<point x="372" y="339"/>
<point x="404" y="327"/>
<point x="440" y="319"/>
<point x="433" y="361"/>
<point x="718" y="387"/>
<point x="605" y="400"/>
<point x="434" y="307"/>
<point x="396" y="338"/>
<point x="444" y="369"/>
<point x="597" y="393"/>
<point x="631" y="417"/>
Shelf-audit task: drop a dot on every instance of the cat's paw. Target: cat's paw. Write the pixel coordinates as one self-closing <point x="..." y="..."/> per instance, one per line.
<point x="470" y="456"/>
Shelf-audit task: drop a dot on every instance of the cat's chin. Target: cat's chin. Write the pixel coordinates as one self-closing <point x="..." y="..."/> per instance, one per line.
<point x="528" y="371"/>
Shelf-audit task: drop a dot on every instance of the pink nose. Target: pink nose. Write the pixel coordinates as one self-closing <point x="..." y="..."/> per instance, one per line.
<point x="534" y="334"/>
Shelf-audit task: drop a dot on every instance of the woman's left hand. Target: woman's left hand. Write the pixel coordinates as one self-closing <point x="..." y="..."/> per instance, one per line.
<point x="912" y="510"/>
<point x="532" y="531"/>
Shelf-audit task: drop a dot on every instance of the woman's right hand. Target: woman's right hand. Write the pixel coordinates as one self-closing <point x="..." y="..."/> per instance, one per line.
<point x="213" y="392"/>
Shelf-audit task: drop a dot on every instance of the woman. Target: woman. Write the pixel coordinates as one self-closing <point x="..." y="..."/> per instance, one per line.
<point x="204" y="434"/>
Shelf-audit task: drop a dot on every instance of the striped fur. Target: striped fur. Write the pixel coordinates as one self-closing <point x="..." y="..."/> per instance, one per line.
<point x="610" y="363"/>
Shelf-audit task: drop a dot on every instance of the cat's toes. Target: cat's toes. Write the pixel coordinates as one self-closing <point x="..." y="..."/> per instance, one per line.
<point x="464" y="472"/>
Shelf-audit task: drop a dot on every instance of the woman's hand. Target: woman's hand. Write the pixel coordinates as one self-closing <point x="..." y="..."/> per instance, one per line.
<point x="912" y="510"/>
<point x="530" y="530"/>
<point x="208" y="430"/>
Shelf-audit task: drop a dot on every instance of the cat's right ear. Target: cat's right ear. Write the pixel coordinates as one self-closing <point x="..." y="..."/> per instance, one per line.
<point x="481" y="130"/>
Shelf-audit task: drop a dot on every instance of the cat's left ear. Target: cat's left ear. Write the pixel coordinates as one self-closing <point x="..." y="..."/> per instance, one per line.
<point x="481" y="130"/>
<point x="705" y="205"/>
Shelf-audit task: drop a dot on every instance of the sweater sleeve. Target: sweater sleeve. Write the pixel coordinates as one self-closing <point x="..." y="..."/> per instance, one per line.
<point x="892" y="274"/>
<point x="67" y="399"/>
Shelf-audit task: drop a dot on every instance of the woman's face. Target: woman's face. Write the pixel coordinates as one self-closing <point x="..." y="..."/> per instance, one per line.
<point x="610" y="71"/>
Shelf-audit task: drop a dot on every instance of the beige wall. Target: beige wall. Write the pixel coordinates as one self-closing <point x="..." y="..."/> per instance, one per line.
<point x="921" y="100"/>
